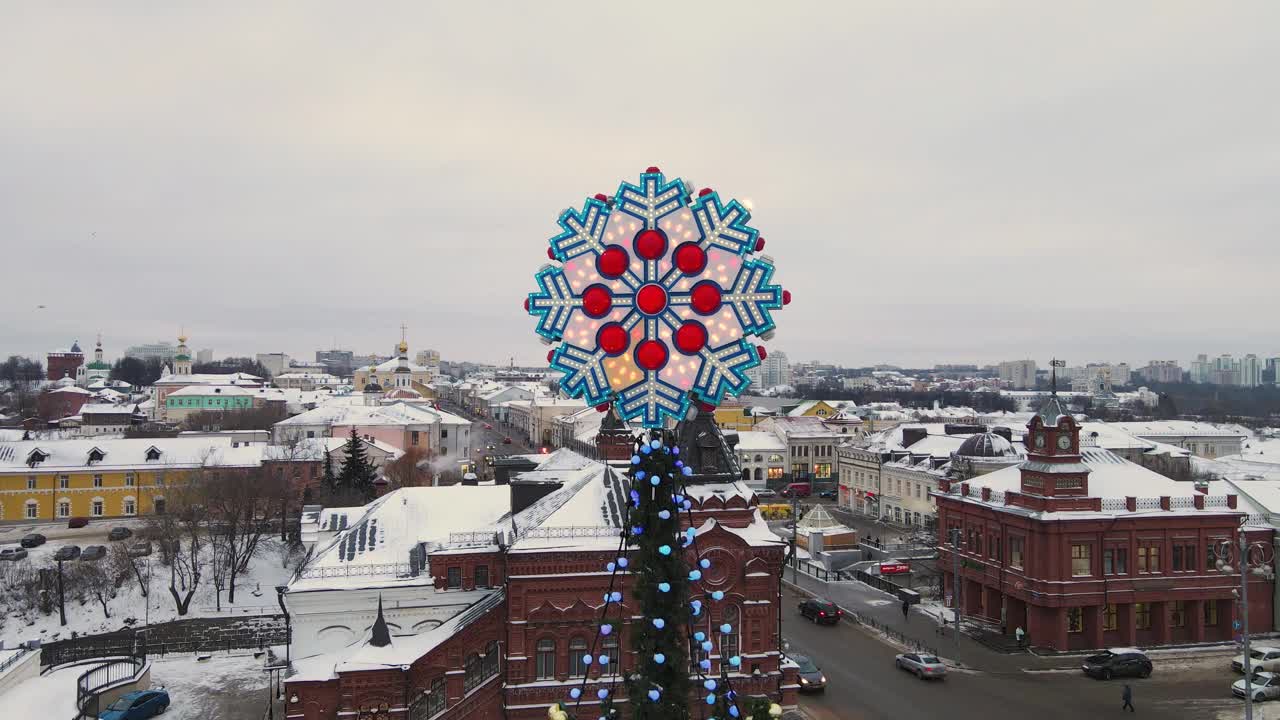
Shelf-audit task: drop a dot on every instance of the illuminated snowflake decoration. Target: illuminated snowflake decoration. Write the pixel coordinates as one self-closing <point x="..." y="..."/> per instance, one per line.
<point x="654" y="299"/>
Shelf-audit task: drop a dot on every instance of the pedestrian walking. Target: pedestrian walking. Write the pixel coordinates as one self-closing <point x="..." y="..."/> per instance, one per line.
<point x="906" y="609"/>
<point x="1127" y="695"/>
<point x="1021" y="635"/>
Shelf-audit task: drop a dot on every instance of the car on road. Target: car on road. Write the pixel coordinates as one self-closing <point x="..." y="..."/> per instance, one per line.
<point x="1261" y="657"/>
<point x="77" y="522"/>
<point x="811" y="677"/>
<point x="506" y="441"/>
<point x="827" y="494"/>
<point x="922" y="665"/>
<point x="119" y="532"/>
<point x="13" y="553"/>
<point x="766" y="493"/>
<point x="93" y="553"/>
<point x="137" y="705"/>
<point x="800" y="490"/>
<point x="1117" y="662"/>
<point x="67" y="552"/>
<point x="821" y="611"/>
<point x="140" y="548"/>
<point x="487" y="426"/>
<point x="1263" y="686"/>
<point x="32" y="540"/>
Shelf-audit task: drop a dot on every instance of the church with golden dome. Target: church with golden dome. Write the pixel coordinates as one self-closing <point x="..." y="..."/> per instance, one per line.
<point x="397" y="377"/>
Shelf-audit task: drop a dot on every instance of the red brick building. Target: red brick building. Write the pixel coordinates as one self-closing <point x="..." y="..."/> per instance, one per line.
<point x="521" y="600"/>
<point x="1084" y="549"/>
<point x="63" y="363"/>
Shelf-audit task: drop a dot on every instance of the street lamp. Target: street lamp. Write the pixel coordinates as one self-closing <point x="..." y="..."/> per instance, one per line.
<point x="1255" y="557"/>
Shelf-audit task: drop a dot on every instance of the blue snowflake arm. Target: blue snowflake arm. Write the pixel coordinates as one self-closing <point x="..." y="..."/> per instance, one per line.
<point x="724" y="226"/>
<point x="554" y="302"/>
<point x="724" y="369"/>
<point x="752" y="297"/>
<point x="583" y="232"/>
<point x="651" y="200"/>
<point x="584" y="374"/>
<point x="653" y="400"/>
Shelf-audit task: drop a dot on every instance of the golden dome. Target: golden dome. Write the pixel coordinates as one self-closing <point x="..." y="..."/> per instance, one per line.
<point x="403" y="346"/>
<point x="182" y="339"/>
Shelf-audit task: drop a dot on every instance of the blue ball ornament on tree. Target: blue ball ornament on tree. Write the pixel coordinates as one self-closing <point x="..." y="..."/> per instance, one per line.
<point x="665" y="514"/>
<point x="654" y="695"/>
<point x="704" y="664"/>
<point x="635" y="459"/>
<point x="706" y="645"/>
<point x="709" y="684"/>
<point x="655" y="444"/>
<point x="622" y="562"/>
<point x="659" y="623"/>
<point x="695" y="575"/>
<point x="704" y="563"/>
<point x="717" y="595"/>
<point x="575" y="693"/>
<point x="606" y="629"/>
<point x="655" y="481"/>
<point x="664" y="587"/>
<point x="711" y="699"/>
<point x="659" y="658"/>
<point x="664" y="550"/>
<point x="686" y="470"/>
<point x="699" y="636"/>
<point x="735" y="661"/>
<point x="646" y="449"/>
<point x="726" y="628"/>
<point x="602" y="693"/>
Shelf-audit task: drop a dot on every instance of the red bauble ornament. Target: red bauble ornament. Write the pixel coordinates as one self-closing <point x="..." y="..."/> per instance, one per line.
<point x="613" y="262"/>
<point x="653" y="169"/>
<point x="691" y="337"/>
<point x="706" y="406"/>
<point x="651" y="244"/>
<point x="596" y="301"/>
<point x="602" y="407"/>
<point x="762" y="352"/>
<point x="551" y="253"/>
<point x="526" y="304"/>
<point x="705" y="297"/>
<point x="759" y="243"/>
<point x="602" y="197"/>
<point x="786" y="297"/>
<point x="612" y="339"/>
<point x="690" y="258"/>
<point x="651" y="299"/>
<point x="651" y="354"/>
<point x="705" y="191"/>
<point x="550" y="354"/>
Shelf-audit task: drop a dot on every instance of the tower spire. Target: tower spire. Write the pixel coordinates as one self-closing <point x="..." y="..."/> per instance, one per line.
<point x="380" y="636"/>
<point x="1054" y="364"/>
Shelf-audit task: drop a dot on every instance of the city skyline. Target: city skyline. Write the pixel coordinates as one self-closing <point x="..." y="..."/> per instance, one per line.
<point x="1004" y="179"/>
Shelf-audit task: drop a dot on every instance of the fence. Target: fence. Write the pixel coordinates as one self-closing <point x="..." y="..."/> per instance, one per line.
<point x="892" y="633"/>
<point x="816" y="571"/>
<point x="182" y="636"/>
<point x="12" y="659"/>
<point x="89" y="685"/>
<point x="361" y="570"/>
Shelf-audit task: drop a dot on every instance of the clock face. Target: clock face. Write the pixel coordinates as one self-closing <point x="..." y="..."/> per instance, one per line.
<point x="1064" y="442"/>
<point x="1040" y="440"/>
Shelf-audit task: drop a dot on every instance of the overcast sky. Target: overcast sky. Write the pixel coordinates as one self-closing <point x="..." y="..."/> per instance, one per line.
<point x="945" y="182"/>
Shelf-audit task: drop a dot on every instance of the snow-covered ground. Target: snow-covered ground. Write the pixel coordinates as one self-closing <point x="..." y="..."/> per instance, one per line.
<point x="52" y="695"/>
<point x="225" y="687"/>
<point x="255" y="595"/>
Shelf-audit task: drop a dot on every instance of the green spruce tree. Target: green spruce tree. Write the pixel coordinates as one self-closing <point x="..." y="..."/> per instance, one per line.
<point x="330" y="480"/>
<point x="357" y="474"/>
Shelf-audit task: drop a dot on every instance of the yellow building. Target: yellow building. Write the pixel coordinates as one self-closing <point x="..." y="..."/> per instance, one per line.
<point x="735" y="417"/>
<point x="106" y="478"/>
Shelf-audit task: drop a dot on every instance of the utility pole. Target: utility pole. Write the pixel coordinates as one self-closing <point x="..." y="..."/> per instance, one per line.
<point x="62" y="605"/>
<point x="956" y="583"/>
<point x="795" y="561"/>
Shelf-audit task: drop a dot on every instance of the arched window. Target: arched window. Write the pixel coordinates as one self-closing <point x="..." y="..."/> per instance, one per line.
<point x="577" y="648"/>
<point x="545" y="660"/>
<point x="759" y="473"/>
<point x="759" y="458"/>
<point x="610" y="647"/>
<point x="729" y="642"/>
<point x="746" y="474"/>
<point x="473" y="674"/>
<point x="491" y="659"/>
<point x="431" y="702"/>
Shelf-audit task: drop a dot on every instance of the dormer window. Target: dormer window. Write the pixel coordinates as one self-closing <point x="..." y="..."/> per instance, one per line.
<point x="36" y="456"/>
<point x="153" y="454"/>
<point x="96" y="456"/>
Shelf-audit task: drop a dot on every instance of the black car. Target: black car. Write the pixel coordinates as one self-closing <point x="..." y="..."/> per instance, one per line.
<point x="1117" y="662"/>
<point x="93" y="553"/>
<point x="32" y="540"/>
<point x="811" y="677"/>
<point x="821" y="611"/>
<point x="119" y="533"/>
<point x="67" y="552"/>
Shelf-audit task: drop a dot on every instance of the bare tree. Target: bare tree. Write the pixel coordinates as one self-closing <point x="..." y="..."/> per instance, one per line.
<point x="182" y="542"/>
<point x="94" y="580"/>
<point x="237" y="504"/>
<point x="291" y="450"/>
<point x="412" y="469"/>
<point x="124" y="564"/>
<point x="219" y="567"/>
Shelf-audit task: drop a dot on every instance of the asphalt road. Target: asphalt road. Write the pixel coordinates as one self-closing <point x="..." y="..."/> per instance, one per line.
<point x="482" y="438"/>
<point x="864" y="684"/>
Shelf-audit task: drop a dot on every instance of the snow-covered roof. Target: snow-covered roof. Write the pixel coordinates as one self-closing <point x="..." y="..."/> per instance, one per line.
<point x="1176" y="428"/>
<point x="105" y="409"/>
<point x="400" y="413"/>
<point x="129" y="453"/>
<point x="72" y="389"/>
<point x="756" y="441"/>
<point x="392" y="364"/>
<point x="237" y="378"/>
<point x="212" y="390"/>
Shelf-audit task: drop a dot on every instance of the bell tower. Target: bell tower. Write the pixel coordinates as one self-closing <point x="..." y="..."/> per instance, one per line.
<point x="182" y="358"/>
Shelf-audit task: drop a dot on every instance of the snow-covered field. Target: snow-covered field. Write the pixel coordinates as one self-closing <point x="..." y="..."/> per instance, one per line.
<point x="255" y="595"/>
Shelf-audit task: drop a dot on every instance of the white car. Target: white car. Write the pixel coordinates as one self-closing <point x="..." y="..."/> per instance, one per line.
<point x="1264" y="686"/>
<point x="1261" y="657"/>
<point x="922" y="665"/>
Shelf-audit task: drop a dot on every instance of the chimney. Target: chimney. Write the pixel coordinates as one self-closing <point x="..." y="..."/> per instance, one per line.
<point x="1231" y="501"/>
<point x="1003" y="432"/>
<point x="963" y="429"/>
<point x="1202" y="487"/>
<point x="913" y="435"/>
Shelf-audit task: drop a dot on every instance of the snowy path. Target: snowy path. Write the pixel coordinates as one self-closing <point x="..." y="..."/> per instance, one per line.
<point x="225" y="687"/>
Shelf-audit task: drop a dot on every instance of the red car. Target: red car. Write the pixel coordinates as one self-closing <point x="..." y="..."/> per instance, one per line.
<point x="77" y="522"/>
<point x="506" y="441"/>
<point x="487" y="426"/>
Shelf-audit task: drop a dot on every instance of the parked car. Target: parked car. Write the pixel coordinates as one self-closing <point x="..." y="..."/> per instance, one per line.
<point x="827" y="494"/>
<point x="800" y="490"/>
<point x="77" y="522"/>
<point x="67" y="552"/>
<point x="506" y="441"/>
<point x="1261" y="657"/>
<point x="1263" y="685"/>
<point x="13" y="553"/>
<point x="119" y="533"/>
<point x="766" y="493"/>
<point x="32" y="540"/>
<point x="922" y="665"/>
<point x="93" y="553"/>
<point x="811" y="677"/>
<point x="137" y="705"/>
<point x="141" y="548"/>
<point x="1117" y="662"/>
<point x="821" y="611"/>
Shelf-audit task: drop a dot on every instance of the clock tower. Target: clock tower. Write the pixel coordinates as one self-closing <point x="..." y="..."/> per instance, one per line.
<point x="1053" y="467"/>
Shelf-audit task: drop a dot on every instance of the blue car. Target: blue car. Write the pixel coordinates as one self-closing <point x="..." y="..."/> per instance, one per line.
<point x="137" y="705"/>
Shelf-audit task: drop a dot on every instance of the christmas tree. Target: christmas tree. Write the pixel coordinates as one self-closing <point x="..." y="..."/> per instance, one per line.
<point x="357" y="474"/>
